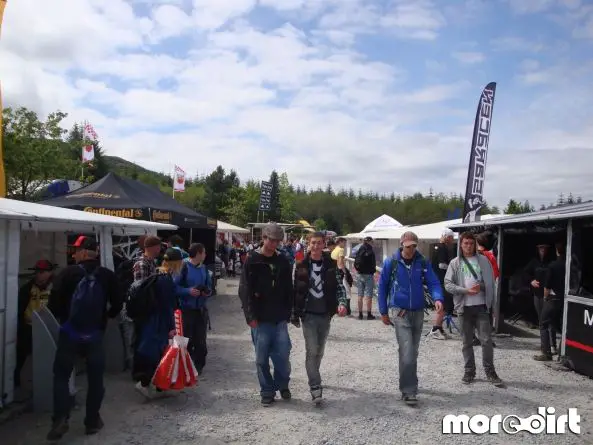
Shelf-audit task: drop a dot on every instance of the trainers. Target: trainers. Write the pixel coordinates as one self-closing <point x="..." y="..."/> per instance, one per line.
<point x="146" y="391"/>
<point x="543" y="358"/>
<point x="316" y="396"/>
<point x="371" y="317"/>
<point x="554" y="350"/>
<point x="267" y="400"/>
<point x="468" y="377"/>
<point x="94" y="427"/>
<point x="494" y="379"/>
<point x="286" y="394"/>
<point x="410" y="400"/>
<point x="58" y="429"/>
<point x="437" y="335"/>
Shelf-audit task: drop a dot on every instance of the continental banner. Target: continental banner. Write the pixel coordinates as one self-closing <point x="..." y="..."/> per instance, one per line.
<point x="160" y="216"/>
<point x="121" y="213"/>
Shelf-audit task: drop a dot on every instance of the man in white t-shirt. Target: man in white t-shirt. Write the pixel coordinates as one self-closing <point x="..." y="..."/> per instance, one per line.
<point x="470" y="279"/>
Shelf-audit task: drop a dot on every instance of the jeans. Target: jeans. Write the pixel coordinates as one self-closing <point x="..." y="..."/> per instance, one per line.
<point x="408" y="331"/>
<point x="550" y="322"/>
<point x="195" y="327"/>
<point x="127" y="331"/>
<point x="66" y="355"/>
<point x="271" y="341"/>
<point x="539" y="304"/>
<point x="315" y="331"/>
<point x="476" y="318"/>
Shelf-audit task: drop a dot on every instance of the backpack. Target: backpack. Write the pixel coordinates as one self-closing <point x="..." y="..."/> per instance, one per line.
<point x="394" y="268"/>
<point x="87" y="309"/>
<point x="125" y="274"/>
<point x="141" y="300"/>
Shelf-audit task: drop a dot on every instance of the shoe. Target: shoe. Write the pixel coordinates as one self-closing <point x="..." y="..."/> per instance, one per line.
<point x="543" y="358"/>
<point x="371" y="317"/>
<point x="267" y="400"/>
<point x="285" y="394"/>
<point x="360" y="316"/>
<point x="348" y="311"/>
<point x="494" y="379"/>
<point x="410" y="400"/>
<point x="468" y="377"/>
<point x="146" y="391"/>
<point x="437" y="335"/>
<point x="493" y="345"/>
<point x="476" y="342"/>
<point x="58" y="429"/>
<point x="316" y="396"/>
<point x="94" y="428"/>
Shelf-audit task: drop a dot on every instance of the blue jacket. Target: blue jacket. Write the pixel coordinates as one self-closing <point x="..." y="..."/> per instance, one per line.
<point x="407" y="290"/>
<point x="192" y="276"/>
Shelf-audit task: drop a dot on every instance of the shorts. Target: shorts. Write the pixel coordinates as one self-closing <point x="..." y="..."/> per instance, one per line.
<point x="366" y="285"/>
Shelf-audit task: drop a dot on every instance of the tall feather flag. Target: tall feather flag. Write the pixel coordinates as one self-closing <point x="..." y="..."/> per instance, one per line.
<point x="179" y="180"/>
<point x="2" y="172"/>
<point x="89" y="136"/>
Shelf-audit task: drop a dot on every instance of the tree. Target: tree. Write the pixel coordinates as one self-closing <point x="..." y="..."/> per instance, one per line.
<point x="320" y="224"/>
<point x="275" y="212"/>
<point x="570" y="199"/>
<point x="513" y="208"/>
<point x="34" y="151"/>
<point x="561" y="199"/>
<point x="287" y="198"/>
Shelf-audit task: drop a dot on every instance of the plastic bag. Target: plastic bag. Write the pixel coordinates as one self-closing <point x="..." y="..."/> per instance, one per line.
<point x="176" y="369"/>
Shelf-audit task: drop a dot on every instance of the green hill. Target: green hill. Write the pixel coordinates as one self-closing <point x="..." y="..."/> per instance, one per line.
<point x="128" y="169"/>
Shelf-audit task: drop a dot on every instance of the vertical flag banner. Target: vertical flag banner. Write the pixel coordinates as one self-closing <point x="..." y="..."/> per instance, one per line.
<point x="2" y="172"/>
<point x="89" y="136"/>
<point x="265" y="196"/>
<point x="179" y="180"/>
<point x="476" y="173"/>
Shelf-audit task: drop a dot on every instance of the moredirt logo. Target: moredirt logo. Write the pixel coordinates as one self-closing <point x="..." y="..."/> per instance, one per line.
<point x="544" y="422"/>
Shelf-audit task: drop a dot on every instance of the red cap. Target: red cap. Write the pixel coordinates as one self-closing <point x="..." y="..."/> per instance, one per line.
<point x="84" y="242"/>
<point x="43" y="265"/>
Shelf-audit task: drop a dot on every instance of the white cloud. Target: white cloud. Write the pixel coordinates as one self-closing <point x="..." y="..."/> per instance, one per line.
<point x="257" y="98"/>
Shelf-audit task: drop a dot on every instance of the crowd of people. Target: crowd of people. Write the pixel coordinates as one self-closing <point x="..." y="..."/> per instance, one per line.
<point x="305" y="283"/>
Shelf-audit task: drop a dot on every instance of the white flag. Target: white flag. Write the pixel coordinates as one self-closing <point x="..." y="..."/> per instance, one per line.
<point x="179" y="180"/>
<point x="89" y="136"/>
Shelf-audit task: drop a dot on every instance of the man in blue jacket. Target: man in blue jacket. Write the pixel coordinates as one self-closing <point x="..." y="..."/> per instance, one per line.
<point x="401" y="304"/>
<point x="194" y="286"/>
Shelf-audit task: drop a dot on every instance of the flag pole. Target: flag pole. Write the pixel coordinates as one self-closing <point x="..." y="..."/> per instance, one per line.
<point x="2" y="172"/>
<point x="173" y="178"/>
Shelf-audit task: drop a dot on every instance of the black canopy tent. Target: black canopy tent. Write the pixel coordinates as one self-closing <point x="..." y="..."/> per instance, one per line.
<point x="127" y="198"/>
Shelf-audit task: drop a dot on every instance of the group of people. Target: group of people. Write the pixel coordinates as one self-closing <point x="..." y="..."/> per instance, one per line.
<point x="84" y="295"/>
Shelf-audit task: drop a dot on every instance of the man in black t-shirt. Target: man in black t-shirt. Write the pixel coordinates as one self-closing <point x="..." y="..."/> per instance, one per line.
<point x="553" y="302"/>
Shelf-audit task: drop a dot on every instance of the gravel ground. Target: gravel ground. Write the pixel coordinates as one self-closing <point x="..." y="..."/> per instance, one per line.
<point x="362" y="403"/>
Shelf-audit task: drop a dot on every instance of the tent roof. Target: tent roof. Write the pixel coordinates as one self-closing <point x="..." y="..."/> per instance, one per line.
<point x="432" y="231"/>
<point x="383" y="222"/>
<point x="116" y="192"/>
<point x="226" y="227"/>
<point x="44" y="217"/>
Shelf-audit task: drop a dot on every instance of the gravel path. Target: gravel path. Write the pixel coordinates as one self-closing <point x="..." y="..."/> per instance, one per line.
<point x="362" y="403"/>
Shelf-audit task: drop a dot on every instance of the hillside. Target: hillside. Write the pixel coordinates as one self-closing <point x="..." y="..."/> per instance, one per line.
<point x="128" y="169"/>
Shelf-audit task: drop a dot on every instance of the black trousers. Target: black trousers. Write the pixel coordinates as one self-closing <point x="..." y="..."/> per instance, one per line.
<point x="195" y="327"/>
<point x="551" y="318"/>
<point x="24" y="347"/>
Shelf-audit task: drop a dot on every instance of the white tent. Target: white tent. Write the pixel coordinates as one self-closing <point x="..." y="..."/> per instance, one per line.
<point x="382" y="223"/>
<point x="223" y="227"/>
<point x="31" y="231"/>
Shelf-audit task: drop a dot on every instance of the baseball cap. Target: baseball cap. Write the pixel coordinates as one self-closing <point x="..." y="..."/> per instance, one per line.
<point x="86" y="243"/>
<point x="447" y="233"/>
<point x="408" y="239"/>
<point x="368" y="238"/>
<point x="172" y="254"/>
<point x="152" y="241"/>
<point x="43" y="266"/>
<point x="273" y="231"/>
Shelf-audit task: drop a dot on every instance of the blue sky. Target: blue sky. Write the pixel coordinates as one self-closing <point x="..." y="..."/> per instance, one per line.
<point x="378" y="95"/>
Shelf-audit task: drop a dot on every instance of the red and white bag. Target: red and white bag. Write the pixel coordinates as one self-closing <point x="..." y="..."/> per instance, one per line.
<point x="176" y="369"/>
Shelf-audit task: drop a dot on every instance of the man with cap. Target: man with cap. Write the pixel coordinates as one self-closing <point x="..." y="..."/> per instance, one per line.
<point x="441" y="257"/>
<point x="266" y="292"/>
<point x="366" y="266"/>
<point x="401" y="304"/>
<point x="83" y="296"/>
<point x="33" y="296"/>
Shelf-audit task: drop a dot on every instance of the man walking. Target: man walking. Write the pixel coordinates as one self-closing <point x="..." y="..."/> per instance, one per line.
<point x="266" y="293"/>
<point x="319" y="295"/>
<point x="366" y="266"/>
<point x="471" y="281"/>
<point x="401" y="303"/>
<point x="79" y="301"/>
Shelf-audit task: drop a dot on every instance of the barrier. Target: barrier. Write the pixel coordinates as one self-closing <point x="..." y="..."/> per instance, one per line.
<point x="46" y="330"/>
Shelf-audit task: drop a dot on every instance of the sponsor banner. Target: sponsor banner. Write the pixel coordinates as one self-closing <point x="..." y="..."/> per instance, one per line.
<point x="476" y="174"/>
<point x="265" y="197"/>
<point x="162" y="217"/>
<point x="121" y="213"/>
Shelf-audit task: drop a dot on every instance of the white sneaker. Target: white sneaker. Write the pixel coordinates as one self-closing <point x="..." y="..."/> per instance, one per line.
<point x="317" y="396"/>
<point x="146" y="391"/>
<point x="438" y="335"/>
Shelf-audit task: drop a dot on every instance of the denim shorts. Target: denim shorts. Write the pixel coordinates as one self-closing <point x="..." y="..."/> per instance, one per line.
<point x="366" y="285"/>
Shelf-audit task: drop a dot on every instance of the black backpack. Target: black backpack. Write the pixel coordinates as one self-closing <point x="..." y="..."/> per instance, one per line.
<point x="125" y="275"/>
<point x="87" y="309"/>
<point x="141" y="299"/>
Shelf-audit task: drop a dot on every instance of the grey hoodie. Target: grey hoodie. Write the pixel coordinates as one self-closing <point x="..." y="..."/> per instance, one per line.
<point x="454" y="282"/>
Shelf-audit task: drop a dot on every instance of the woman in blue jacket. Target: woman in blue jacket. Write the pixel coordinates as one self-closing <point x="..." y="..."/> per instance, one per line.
<point x="155" y="330"/>
<point x="401" y="303"/>
<point x="194" y="287"/>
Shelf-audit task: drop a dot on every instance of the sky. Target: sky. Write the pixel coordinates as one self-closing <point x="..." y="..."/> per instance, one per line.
<point x="378" y="95"/>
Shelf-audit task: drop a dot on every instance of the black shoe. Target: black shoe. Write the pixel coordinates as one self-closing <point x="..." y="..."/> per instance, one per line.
<point x="493" y="345"/>
<point x="267" y="400"/>
<point x="543" y="358"/>
<point x="370" y="317"/>
<point x="468" y="377"/>
<point x="348" y="311"/>
<point x="58" y="429"/>
<point x="285" y="394"/>
<point x="410" y="400"/>
<point x="360" y="316"/>
<point x="94" y="427"/>
<point x="476" y="342"/>
<point x="494" y="379"/>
